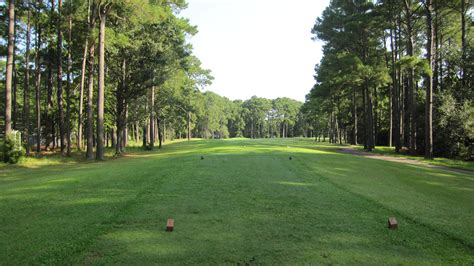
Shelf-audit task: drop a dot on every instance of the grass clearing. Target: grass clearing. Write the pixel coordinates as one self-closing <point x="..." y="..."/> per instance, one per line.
<point x="246" y="202"/>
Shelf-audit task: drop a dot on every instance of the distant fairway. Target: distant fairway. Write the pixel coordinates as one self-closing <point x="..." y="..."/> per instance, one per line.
<point x="245" y="202"/>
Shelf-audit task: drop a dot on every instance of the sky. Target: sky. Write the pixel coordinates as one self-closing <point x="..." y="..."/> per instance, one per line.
<point x="257" y="47"/>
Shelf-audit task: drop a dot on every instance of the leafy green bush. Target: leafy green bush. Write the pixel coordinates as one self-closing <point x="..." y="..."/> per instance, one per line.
<point x="12" y="149"/>
<point x="454" y="127"/>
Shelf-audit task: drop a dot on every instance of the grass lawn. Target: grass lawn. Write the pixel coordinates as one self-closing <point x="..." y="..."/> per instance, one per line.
<point x="459" y="164"/>
<point x="246" y="202"/>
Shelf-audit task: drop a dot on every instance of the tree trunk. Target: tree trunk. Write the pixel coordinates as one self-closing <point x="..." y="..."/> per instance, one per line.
<point x="411" y="79"/>
<point x="26" y="94"/>
<point x="251" y="129"/>
<point x="390" y="114"/>
<point x="152" y="117"/>
<point x="60" y="79"/>
<point x="120" y="109"/>
<point x="370" y="120"/>
<point x="81" y="86"/>
<point x="395" y="132"/>
<point x="125" y="126"/>
<point x="50" y="131"/>
<point x="189" y="125"/>
<point x="101" y="89"/>
<point x="429" y="82"/>
<point x="354" y="116"/>
<point x="160" y="136"/>
<point x="113" y="138"/>
<point x="364" y="103"/>
<point x="38" y="80"/>
<point x="436" y="56"/>
<point x="399" y="92"/>
<point x="68" y="89"/>
<point x="50" y="125"/>
<point x="90" y="106"/>
<point x="90" y="93"/>
<point x="376" y="117"/>
<point x="144" y="144"/>
<point x="463" y="42"/>
<point x="137" y="136"/>
<point x="14" y="117"/>
<point x="9" y="72"/>
<point x="164" y="131"/>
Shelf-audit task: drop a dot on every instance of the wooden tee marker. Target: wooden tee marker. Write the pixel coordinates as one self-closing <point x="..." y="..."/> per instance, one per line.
<point x="392" y="223"/>
<point x="170" y="225"/>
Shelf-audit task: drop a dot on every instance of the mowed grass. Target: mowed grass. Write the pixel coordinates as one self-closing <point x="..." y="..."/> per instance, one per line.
<point x="246" y="202"/>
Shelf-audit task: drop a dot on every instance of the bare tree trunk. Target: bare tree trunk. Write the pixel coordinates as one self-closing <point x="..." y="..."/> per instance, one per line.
<point x="137" y="135"/>
<point x="125" y="129"/>
<point x="189" y="125"/>
<point x="101" y="89"/>
<point x="370" y="120"/>
<point x="9" y="72"/>
<point x="160" y="136"/>
<point x="68" y="89"/>
<point x="148" y="133"/>
<point x="152" y="117"/>
<point x="38" y="80"/>
<point x="429" y="82"/>
<point x="354" y="116"/>
<point x="144" y="135"/>
<point x="411" y="79"/>
<point x="15" y="77"/>
<point x="90" y="106"/>
<point x="390" y="115"/>
<point x="50" y="131"/>
<point x="90" y="95"/>
<point x="436" y="56"/>
<point x="251" y="129"/>
<point x="164" y="131"/>
<point x="120" y="109"/>
<point x="26" y="94"/>
<point x="463" y="41"/>
<point x="50" y="123"/>
<point x="60" y="80"/>
<point x="399" y="88"/>
<point x="81" y="90"/>
<point x="364" y="103"/>
<point x="114" y="138"/>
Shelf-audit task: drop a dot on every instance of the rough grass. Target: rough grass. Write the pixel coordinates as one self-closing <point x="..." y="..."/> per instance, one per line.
<point x="246" y="202"/>
<point x="459" y="164"/>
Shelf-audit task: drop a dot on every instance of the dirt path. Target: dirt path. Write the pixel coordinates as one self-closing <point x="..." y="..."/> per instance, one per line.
<point x="402" y="160"/>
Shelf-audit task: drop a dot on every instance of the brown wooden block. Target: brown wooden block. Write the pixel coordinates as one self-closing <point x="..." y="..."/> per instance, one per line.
<point x="170" y="225"/>
<point x="392" y="223"/>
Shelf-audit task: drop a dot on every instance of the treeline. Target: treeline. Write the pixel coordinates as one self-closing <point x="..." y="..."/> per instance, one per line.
<point x="95" y="73"/>
<point x="82" y="74"/>
<point x="396" y="73"/>
<point x="219" y="117"/>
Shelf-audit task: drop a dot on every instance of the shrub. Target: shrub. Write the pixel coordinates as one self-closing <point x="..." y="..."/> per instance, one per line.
<point x="12" y="149"/>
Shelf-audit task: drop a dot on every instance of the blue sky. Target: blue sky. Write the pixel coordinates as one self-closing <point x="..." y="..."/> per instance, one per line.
<point x="257" y="47"/>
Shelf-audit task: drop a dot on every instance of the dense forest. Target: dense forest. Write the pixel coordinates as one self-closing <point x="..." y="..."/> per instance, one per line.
<point x="88" y="74"/>
<point x="396" y="73"/>
<point x="92" y="74"/>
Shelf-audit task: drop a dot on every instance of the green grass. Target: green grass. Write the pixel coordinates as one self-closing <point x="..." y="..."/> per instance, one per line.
<point x="246" y="202"/>
<point x="459" y="164"/>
